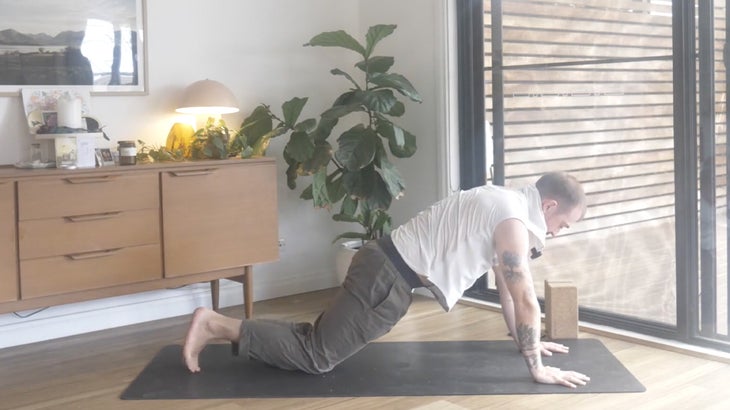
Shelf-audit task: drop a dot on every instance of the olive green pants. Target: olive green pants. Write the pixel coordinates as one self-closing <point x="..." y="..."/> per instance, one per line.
<point x="371" y="300"/>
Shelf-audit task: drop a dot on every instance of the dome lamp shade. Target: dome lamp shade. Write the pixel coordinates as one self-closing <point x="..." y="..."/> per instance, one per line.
<point x="208" y="97"/>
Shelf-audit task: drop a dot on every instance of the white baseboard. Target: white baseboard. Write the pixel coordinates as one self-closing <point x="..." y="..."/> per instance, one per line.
<point x="77" y="318"/>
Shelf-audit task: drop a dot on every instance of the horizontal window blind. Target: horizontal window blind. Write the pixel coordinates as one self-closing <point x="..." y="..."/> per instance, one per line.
<point x="588" y="90"/>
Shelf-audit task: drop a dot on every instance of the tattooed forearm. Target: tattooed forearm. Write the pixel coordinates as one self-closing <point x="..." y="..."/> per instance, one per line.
<point x="528" y="342"/>
<point x="531" y="359"/>
<point x="526" y="337"/>
<point x="511" y="266"/>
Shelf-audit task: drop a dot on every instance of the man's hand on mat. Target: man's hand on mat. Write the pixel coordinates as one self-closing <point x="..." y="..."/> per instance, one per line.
<point x="548" y="348"/>
<point x="553" y="375"/>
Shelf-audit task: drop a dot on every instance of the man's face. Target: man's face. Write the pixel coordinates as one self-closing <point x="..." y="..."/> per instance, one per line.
<point x="556" y="220"/>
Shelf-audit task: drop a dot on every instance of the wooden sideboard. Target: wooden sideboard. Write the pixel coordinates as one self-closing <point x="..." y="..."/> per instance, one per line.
<point x="73" y="235"/>
<point x="8" y="247"/>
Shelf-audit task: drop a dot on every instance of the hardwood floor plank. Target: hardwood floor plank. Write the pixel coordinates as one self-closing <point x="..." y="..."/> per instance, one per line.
<point x="90" y="371"/>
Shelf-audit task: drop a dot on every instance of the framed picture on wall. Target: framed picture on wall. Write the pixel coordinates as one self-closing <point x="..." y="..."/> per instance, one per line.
<point x="98" y="44"/>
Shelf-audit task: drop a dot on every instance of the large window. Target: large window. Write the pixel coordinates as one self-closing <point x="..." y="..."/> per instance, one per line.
<point x="591" y="88"/>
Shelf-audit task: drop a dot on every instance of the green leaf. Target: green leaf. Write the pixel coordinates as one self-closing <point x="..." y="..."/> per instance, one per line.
<point x="377" y="64"/>
<point x="375" y="34"/>
<point x="348" y="98"/>
<point x="291" y="175"/>
<point x="300" y="146"/>
<point x="324" y="128"/>
<point x="356" y="184"/>
<point x="380" y="197"/>
<point x="390" y="175"/>
<point x="349" y="207"/>
<point x="319" y="189"/>
<point x="381" y="224"/>
<point x="337" y="38"/>
<point x="337" y="71"/>
<point x="339" y="111"/>
<point x="334" y="187"/>
<point x="397" y="82"/>
<point x="262" y="144"/>
<point x="292" y="109"/>
<point x="401" y="142"/>
<point x="379" y="100"/>
<point x="208" y="152"/>
<point x="368" y="186"/>
<point x="356" y="147"/>
<point x="399" y="139"/>
<point x="220" y="147"/>
<point x="289" y="160"/>
<point x="307" y="125"/>
<point x="397" y="110"/>
<point x="238" y="144"/>
<point x="257" y="124"/>
<point x="344" y="218"/>
<point x="307" y="193"/>
<point x="319" y="159"/>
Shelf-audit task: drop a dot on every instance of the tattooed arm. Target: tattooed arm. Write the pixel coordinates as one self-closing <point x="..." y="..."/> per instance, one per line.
<point x="514" y="277"/>
<point x="511" y="240"/>
<point x="508" y="312"/>
<point x="505" y="301"/>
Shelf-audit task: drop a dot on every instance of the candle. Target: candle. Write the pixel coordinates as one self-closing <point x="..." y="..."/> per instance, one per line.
<point x="69" y="112"/>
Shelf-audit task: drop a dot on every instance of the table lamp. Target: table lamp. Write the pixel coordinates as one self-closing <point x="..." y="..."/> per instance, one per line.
<point x="208" y="97"/>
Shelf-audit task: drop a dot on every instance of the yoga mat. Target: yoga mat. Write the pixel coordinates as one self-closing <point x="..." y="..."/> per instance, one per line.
<point x="382" y="369"/>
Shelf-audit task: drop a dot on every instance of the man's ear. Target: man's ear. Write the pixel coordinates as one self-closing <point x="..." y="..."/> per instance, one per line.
<point x="549" y="205"/>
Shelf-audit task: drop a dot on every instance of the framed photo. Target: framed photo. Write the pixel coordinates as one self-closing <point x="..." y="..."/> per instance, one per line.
<point x="98" y="44"/>
<point x="50" y="119"/>
<point x="104" y="157"/>
<point x="40" y="104"/>
<point x="40" y="118"/>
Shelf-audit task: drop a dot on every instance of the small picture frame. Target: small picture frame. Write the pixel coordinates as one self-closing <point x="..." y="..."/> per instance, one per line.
<point x="50" y="119"/>
<point x="39" y="120"/>
<point x="104" y="157"/>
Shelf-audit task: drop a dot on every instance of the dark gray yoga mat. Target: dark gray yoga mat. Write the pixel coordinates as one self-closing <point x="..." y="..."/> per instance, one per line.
<point x="382" y="369"/>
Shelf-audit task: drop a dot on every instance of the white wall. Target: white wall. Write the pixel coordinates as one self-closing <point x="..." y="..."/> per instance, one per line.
<point x="254" y="47"/>
<point x="420" y="47"/>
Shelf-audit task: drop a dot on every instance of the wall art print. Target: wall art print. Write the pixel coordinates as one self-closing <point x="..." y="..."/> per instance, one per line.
<point x="97" y="44"/>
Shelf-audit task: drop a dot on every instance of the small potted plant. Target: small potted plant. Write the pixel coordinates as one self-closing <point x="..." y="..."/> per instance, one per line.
<point x="213" y="141"/>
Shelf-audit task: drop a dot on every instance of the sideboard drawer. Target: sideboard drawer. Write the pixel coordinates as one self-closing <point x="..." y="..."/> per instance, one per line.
<point x="81" y="195"/>
<point x="63" y="274"/>
<point x="234" y="222"/>
<point x="8" y="255"/>
<point x="84" y="233"/>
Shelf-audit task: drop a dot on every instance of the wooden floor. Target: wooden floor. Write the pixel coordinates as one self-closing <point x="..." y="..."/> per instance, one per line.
<point x="90" y="371"/>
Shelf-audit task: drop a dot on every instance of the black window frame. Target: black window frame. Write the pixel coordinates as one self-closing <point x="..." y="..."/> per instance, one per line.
<point x="472" y="149"/>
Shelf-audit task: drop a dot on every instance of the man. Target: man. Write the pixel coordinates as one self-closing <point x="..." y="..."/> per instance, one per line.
<point x="445" y="249"/>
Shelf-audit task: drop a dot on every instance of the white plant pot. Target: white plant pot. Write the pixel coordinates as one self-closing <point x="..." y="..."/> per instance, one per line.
<point x="343" y="257"/>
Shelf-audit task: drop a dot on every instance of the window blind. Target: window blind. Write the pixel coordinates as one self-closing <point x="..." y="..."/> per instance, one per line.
<point x="588" y="90"/>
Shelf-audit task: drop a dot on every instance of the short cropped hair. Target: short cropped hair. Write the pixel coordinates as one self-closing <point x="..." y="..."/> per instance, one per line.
<point x="563" y="188"/>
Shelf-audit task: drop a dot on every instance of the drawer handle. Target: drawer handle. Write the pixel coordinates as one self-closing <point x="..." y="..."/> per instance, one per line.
<point x="192" y="173"/>
<point x="92" y="255"/>
<point x="91" y="217"/>
<point x="90" y="180"/>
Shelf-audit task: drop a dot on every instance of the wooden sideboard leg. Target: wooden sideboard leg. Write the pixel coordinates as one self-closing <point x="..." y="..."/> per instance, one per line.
<point x="215" y="292"/>
<point x="248" y="290"/>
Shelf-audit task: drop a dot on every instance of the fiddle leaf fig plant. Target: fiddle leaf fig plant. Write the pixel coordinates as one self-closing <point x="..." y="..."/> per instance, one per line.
<point x="355" y="170"/>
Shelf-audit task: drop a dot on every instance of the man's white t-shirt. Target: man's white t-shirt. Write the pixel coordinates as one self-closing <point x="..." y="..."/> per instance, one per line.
<point x="452" y="242"/>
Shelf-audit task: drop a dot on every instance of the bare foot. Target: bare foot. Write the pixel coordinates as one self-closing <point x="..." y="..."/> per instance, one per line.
<point x="206" y="326"/>
<point x="195" y="340"/>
